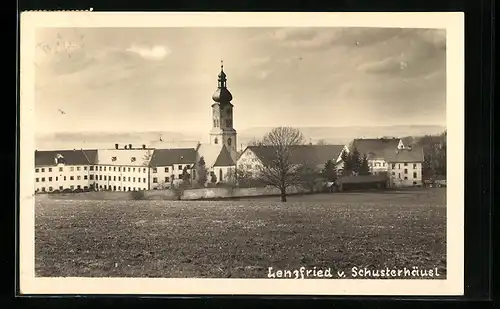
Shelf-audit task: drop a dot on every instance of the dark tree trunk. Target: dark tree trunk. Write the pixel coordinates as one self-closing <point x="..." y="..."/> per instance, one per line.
<point x="283" y="195"/>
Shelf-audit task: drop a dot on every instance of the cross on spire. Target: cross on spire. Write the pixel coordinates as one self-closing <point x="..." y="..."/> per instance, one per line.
<point x="222" y="65"/>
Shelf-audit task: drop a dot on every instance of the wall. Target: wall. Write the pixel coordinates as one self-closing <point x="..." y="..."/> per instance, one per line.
<point x="248" y="162"/>
<point x="397" y="174"/>
<point x="59" y="177"/>
<point x="106" y="177"/>
<point x="166" y="174"/>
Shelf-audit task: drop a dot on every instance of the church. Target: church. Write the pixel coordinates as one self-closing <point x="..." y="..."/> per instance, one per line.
<point x="129" y="168"/>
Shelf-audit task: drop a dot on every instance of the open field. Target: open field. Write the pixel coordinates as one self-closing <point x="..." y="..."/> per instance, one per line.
<point x="241" y="238"/>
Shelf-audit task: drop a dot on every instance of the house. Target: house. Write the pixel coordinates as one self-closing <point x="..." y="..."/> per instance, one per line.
<point x="405" y="166"/>
<point x="375" y="150"/>
<point x="63" y="169"/>
<point x="254" y="157"/>
<point x="219" y="164"/>
<point x="167" y="166"/>
<point x="123" y="168"/>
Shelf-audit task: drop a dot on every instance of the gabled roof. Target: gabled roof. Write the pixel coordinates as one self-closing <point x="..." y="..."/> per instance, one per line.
<point x="215" y="155"/>
<point x="301" y="154"/>
<point x="168" y="157"/>
<point x="69" y="157"/>
<point x="416" y="154"/>
<point x="126" y="157"/>
<point x="375" y="148"/>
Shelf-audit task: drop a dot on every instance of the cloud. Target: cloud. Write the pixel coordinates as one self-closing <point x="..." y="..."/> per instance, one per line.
<point x="150" y="53"/>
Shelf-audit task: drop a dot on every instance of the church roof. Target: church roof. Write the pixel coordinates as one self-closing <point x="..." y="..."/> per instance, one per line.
<point x="69" y="157"/>
<point x="168" y="157"/>
<point x="222" y="95"/>
<point x="215" y="155"/>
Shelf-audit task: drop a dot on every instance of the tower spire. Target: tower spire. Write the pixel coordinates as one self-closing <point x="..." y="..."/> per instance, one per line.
<point x="222" y="65"/>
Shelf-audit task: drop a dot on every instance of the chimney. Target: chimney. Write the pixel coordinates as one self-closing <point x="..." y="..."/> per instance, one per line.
<point x="116" y="146"/>
<point x="129" y="146"/>
<point x="143" y="146"/>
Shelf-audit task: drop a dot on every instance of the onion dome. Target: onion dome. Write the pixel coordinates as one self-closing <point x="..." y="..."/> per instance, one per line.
<point x="222" y="95"/>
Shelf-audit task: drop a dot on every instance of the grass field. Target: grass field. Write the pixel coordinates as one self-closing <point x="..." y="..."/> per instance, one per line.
<point x="240" y="239"/>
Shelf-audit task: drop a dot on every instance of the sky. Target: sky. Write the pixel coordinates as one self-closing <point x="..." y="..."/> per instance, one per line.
<point x="148" y="79"/>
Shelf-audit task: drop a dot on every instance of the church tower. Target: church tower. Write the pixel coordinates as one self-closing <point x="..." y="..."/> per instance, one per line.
<point x="222" y="116"/>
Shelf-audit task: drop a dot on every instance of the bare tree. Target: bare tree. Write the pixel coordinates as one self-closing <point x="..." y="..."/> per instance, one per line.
<point x="280" y="172"/>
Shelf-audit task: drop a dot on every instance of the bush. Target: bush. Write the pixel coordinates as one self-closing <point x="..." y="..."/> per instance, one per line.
<point x="137" y="195"/>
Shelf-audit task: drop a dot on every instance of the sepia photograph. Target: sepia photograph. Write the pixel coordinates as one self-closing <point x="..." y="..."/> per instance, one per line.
<point x="171" y="149"/>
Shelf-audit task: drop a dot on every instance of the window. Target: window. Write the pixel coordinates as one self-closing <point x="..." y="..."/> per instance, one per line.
<point x="57" y="178"/>
<point x="71" y="177"/>
<point x="406" y="164"/>
<point x="229" y="141"/>
<point x="72" y="187"/>
<point x="37" y="179"/>
<point x="119" y="188"/>
<point x="194" y="174"/>
<point x="229" y="123"/>
<point x="406" y="177"/>
<point x="180" y="168"/>
<point x="78" y="187"/>
<point x="133" y="179"/>
<point x="105" y="168"/>
<point x="393" y="173"/>
<point x="114" y="168"/>
<point x="129" y="169"/>
<point x="43" y="179"/>
<point x="100" y="177"/>
<point x="64" y="178"/>
<point x="78" y="168"/>
<point x="220" y="175"/>
<point x="166" y="169"/>
<point x="37" y="170"/>
<point x="167" y="179"/>
<point x="100" y="168"/>
<point x="85" y="177"/>
<point x="129" y="179"/>
<point x="84" y="168"/>
<point x="180" y="176"/>
<point x="154" y="170"/>
<point x="43" y="170"/>
<point x="50" y="170"/>
<point x="216" y="141"/>
<point x="119" y="178"/>
<point x="91" y="177"/>
<point x="72" y="169"/>
<point x="114" y="178"/>
<point x="406" y="171"/>
<point x="399" y="175"/>
<point x="138" y="179"/>
<point x="132" y="159"/>
<point x="173" y="176"/>
<point x="144" y="180"/>
<point x="78" y="177"/>
<point x="383" y="164"/>
<point x="105" y="178"/>
<point x="105" y="187"/>
<point x="414" y="166"/>
<point x="393" y="165"/>
<point x="399" y="165"/>
<point x="414" y="183"/>
<point x="155" y="180"/>
<point x="43" y="189"/>
<point x="91" y="168"/>
<point x="114" y="188"/>
<point x="51" y="189"/>
<point x="50" y="178"/>
<point x="133" y="169"/>
<point x="60" y="169"/>
<point x="61" y="188"/>
<point x="144" y="170"/>
<point x="113" y="159"/>
<point x="414" y="174"/>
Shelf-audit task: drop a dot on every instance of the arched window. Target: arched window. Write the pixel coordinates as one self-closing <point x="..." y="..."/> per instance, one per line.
<point x="216" y="140"/>
<point x="229" y="141"/>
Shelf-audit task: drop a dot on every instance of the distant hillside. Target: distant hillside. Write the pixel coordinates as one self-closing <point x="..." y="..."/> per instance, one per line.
<point x="343" y="135"/>
<point x="332" y="135"/>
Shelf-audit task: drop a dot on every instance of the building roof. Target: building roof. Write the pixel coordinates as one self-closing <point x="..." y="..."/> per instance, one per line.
<point x="168" y="157"/>
<point x="375" y="148"/>
<point x="415" y="154"/>
<point x="69" y="157"/>
<point x="215" y="155"/>
<point x="301" y="154"/>
<point x="125" y="157"/>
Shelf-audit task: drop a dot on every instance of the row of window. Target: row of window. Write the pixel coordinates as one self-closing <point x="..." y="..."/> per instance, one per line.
<point x="406" y="172"/>
<point x="97" y="168"/>
<point x="102" y="187"/>
<point x="91" y="177"/>
<point x="167" y="179"/>
<point x="167" y="169"/>
<point x="404" y="164"/>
